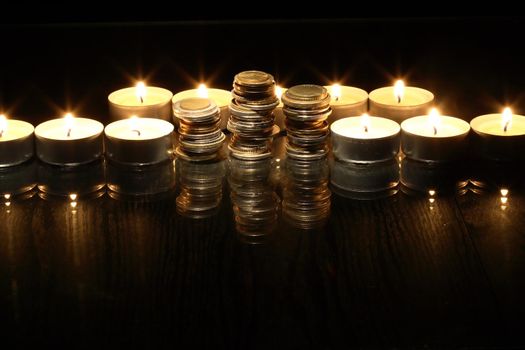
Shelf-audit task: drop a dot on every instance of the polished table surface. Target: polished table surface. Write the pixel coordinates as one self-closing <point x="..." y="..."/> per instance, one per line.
<point x="400" y="271"/>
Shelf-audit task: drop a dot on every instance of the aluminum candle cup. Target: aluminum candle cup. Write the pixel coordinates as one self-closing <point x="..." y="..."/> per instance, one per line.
<point x="69" y="141"/>
<point x="222" y="99"/>
<point x="492" y="140"/>
<point x="441" y="140"/>
<point x="423" y="177"/>
<point x="16" y="142"/>
<point x="400" y="102"/>
<point x="365" y="139"/>
<point x="139" y="141"/>
<point x="17" y="179"/>
<point x="346" y="101"/>
<point x="142" y="101"/>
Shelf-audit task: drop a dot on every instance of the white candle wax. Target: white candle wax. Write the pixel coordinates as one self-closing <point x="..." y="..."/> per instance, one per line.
<point x="69" y="141"/>
<point x="365" y="139"/>
<point x="155" y="103"/>
<point x="444" y="140"/>
<point x="493" y="141"/>
<point x="414" y="101"/>
<point x="346" y="101"/>
<point x="222" y="99"/>
<point x="139" y="141"/>
<point x="16" y="141"/>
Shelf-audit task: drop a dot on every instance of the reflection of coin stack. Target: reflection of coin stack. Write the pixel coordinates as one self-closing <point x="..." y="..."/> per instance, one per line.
<point x="200" y="136"/>
<point x="306" y="196"/>
<point x="255" y="203"/>
<point x="306" y="108"/>
<point x="200" y="188"/>
<point x="251" y="115"/>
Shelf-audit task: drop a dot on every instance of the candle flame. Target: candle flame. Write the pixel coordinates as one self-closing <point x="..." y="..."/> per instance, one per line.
<point x="335" y="91"/>
<point x="399" y="90"/>
<point x="434" y="120"/>
<point x="506" y="119"/>
<point x="202" y="91"/>
<point x="3" y="124"/>
<point x="365" y="122"/>
<point x="278" y="91"/>
<point x="140" y="91"/>
<point x="70" y="120"/>
<point x="134" y="124"/>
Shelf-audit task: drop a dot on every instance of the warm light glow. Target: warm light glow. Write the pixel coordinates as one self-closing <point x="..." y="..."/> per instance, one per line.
<point x="504" y="192"/>
<point x="140" y="91"/>
<point x="70" y="120"/>
<point x="278" y="91"/>
<point x="504" y="200"/>
<point x="7" y="196"/>
<point x="431" y="200"/>
<point x="73" y="204"/>
<point x="3" y="124"/>
<point x="399" y="90"/>
<point x="365" y="122"/>
<point x="434" y="120"/>
<point x="431" y="192"/>
<point x="506" y="119"/>
<point x="7" y="204"/>
<point x="335" y="91"/>
<point x="73" y="196"/>
<point x="134" y="124"/>
<point x="202" y="91"/>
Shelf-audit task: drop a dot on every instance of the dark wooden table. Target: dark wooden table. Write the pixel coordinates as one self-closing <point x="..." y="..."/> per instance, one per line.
<point x="399" y="271"/>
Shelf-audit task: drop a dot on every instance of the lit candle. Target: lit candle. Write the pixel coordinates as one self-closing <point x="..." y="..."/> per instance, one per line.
<point x="500" y="136"/>
<point x="399" y="102"/>
<point x="141" y="100"/>
<point x="365" y="139"/>
<point x="346" y="101"/>
<point x="69" y="140"/>
<point x="278" y="111"/>
<point x="434" y="138"/>
<point x="222" y="99"/>
<point x="16" y="141"/>
<point x="139" y="141"/>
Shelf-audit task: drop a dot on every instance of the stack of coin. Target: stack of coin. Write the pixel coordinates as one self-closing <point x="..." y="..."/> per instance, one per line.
<point x="200" y="186"/>
<point x="255" y="203"/>
<point x="306" y="108"/>
<point x="200" y="136"/>
<point x="251" y="115"/>
<point x="306" y="196"/>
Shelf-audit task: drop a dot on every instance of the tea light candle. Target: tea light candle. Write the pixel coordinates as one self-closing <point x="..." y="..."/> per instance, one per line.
<point x="346" y="101"/>
<point x="222" y="99"/>
<point x="434" y="138"/>
<point x="141" y="100"/>
<point x="500" y="136"/>
<point x="16" y="141"/>
<point x="365" y="139"/>
<point x="399" y="102"/>
<point x="139" y="141"/>
<point x="69" y="140"/>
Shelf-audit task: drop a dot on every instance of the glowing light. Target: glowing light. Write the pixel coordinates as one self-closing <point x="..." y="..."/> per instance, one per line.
<point x="73" y="204"/>
<point x="431" y="192"/>
<point x="3" y="124"/>
<point x="134" y="124"/>
<point x="73" y="196"/>
<point x="399" y="90"/>
<point x="70" y="121"/>
<point x="140" y="91"/>
<point x="278" y="91"/>
<point x="434" y="120"/>
<point x="202" y="91"/>
<point x="365" y="122"/>
<point x="504" y="192"/>
<point x="7" y="195"/>
<point x="335" y="92"/>
<point x="506" y="119"/>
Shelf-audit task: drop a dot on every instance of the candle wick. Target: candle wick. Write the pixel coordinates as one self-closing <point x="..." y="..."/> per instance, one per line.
<point x="69" y="132"/>
<point x="505" y="127"/>
<point x="336" y="98"/>
<point x="398" y="99"/>
<point x="366" y="128"/>
<point x="141" y="99"/>
<point x="137" y="131"/>
<point x="1" y="133"/>
<point x="435" y="129"/>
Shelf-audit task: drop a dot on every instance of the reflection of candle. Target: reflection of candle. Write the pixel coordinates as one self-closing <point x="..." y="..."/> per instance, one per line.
<point x="16" y="141"/>
<point x="365" y="139"/>
<point x="399" y="102"/>
<point x="141" y="100"/>
<point x="434" y="138"/>
<point x="346" y="101"/>
<point x="69" y="140"/>
<point x="499" y="136"/>
<point x="139" y="141"/>
<point x="222" y="99"/>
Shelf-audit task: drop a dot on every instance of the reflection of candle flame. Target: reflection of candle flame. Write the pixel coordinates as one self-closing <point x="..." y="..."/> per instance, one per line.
<point x="335" y="91"/>
<point x="434" y="120"/>
<point x="278" y="91"/>
<point x="140" y="91"/>
<point x="202" y="91"/>
<point x="504" y="199"/>
<point x="365" y="122"/>
<point x="133" y="122"/>
<point x="399" y="90"/>
<point x="7" y="195"/>
<point x="69" y="123"/>
<point x="504" y="192"/>
<point x="506" y="119"/>
<point x="3" y="124"/>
